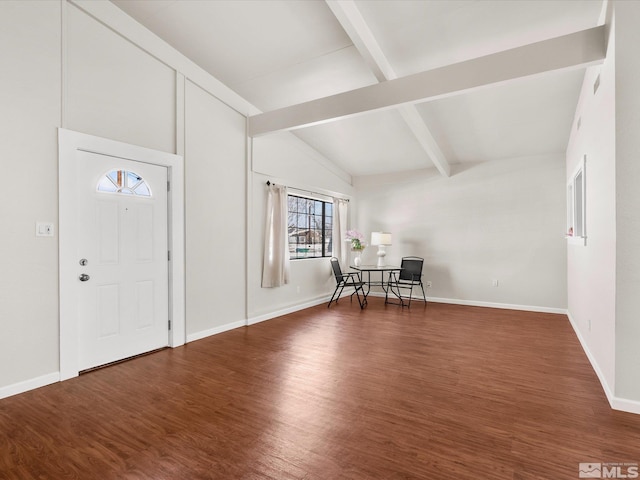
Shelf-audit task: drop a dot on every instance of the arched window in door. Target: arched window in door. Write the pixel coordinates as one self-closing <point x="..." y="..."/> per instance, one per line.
<point x="125" y="182"/>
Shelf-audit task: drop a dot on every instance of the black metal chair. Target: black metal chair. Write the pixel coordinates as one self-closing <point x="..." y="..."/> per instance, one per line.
<point x="351" y="279"/>
<point x="410" y="276"/>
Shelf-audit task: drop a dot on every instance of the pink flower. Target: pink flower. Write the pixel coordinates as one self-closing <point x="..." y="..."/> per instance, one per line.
<point x="354" y="235"/>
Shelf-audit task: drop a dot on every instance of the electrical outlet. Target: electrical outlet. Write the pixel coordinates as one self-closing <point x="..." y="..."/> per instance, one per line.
<point x="494" y="282"/>
<point x="589" y="323"/>
<point x="429" y="284"/>
<point x="298" y="289"/>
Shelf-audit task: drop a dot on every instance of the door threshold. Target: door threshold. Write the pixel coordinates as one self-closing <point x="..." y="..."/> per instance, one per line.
<point x="110" y="364"/>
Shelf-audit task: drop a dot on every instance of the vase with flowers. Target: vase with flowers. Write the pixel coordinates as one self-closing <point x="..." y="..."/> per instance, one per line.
<point x="356" y="239"/>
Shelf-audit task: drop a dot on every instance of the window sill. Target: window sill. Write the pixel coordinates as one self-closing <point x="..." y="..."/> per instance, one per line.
<point x="309" y="258"/>
<point x="576" y="240"/>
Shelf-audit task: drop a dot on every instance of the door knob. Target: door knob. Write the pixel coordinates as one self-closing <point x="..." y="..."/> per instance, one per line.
<point x="84" y="277"/>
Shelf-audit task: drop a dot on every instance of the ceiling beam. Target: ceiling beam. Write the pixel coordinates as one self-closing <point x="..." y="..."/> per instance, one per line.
<point x="362" y="37"/>
<point x="576" y="50"/>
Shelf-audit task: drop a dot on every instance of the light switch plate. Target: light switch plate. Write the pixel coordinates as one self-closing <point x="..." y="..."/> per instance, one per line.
<point x="44" y="229"/>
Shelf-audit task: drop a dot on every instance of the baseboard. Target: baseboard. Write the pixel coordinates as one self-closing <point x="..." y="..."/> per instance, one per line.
<point x="616" y="403"/>
<point x="504" y="306"/>
<point x="192" y="337"/>
<point x="624" y="405"/>
<point x="261" y="318"/>
<point x="475" y="303"/>
<point x="290" y="309"/>
<point x="31" y="384"/>
<point x="592" y="360"/>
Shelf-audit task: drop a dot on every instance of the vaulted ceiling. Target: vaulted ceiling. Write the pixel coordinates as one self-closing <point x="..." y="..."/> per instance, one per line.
<point x="280" y="54"/>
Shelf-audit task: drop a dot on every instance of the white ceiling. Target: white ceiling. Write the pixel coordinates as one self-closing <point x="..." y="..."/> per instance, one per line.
<point x="278" y="53"/>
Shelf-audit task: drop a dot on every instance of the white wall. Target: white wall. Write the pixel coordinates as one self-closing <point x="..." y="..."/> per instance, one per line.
<point x="215" y="169"/>
<point x="501" y="220"/>
<point x="30" y="98"/>
<point x="284" y="159"/>
<point x="114" y="89"/>
<point x="627" y="154"/>
<point x="591" y="269"/>
<point x="603" y="278"/>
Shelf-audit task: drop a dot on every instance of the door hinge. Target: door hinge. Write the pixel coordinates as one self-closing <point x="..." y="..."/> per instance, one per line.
<point x="168" y="186"/>
<point x="169" y="255"/>
<point x="169" y="324"/>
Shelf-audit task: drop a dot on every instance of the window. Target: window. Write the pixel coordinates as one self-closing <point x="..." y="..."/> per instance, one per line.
<point x="310" y="227"/>
<point x="576" y="205"/>
<point x="122" y="181"/>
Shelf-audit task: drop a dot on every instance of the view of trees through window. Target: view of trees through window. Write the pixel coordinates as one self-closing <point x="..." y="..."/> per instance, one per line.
<point x="310" y="227"/>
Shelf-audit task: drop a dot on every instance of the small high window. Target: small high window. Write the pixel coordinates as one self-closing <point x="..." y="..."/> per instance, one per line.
<point x="576" y="205"/>
<point x="125" y="182"/>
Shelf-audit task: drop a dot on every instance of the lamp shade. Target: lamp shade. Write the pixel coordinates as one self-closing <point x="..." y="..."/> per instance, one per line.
<point x="380" y="238"/>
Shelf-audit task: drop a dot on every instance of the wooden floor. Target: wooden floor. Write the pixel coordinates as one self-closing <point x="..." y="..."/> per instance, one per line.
<point x="443" y="392"/>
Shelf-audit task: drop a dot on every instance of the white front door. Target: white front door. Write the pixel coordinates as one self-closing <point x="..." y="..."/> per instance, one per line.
<point x="121" y="208"/>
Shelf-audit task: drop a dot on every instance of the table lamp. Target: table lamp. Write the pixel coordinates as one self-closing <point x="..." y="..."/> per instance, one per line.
<point x="381" y="239"/>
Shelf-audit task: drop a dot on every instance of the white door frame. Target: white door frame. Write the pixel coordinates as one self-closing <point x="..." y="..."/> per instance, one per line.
<point x="69" y="142"/>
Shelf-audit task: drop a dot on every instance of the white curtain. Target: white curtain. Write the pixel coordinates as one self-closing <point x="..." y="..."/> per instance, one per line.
<point x="340" y="216"/>
<point x="275" y="269"/>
